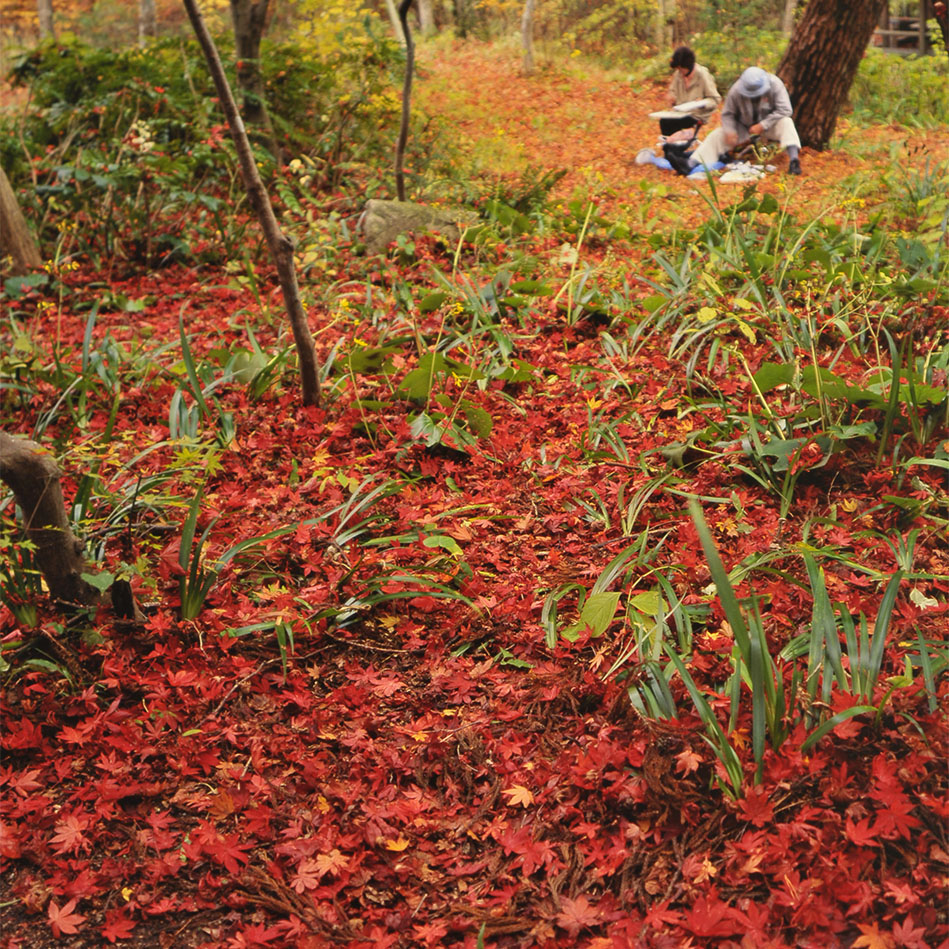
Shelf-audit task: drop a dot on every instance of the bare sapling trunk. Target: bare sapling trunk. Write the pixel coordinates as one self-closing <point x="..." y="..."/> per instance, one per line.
<point x="404" y="8"/>
<point x="33" y="477"/>
<point x="394" y="20"/>
<point x="44" y="12"/>
<point x="527" y="35"/>
<point x="281" y="247"/>
<point x="16" y="241"/>
<point x="787" y="20"/>
<point x="426" y="18"/>
<point x="147" y="22"/>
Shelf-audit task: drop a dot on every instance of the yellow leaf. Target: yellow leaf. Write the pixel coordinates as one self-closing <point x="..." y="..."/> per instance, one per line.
<point x="518" y="795"/>
<point x="706" y="314"/>
<point x="399" y="844"/>
<point x="747" y="330"/>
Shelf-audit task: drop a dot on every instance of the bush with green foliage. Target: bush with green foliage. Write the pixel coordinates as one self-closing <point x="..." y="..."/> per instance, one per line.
<point x="910" y="90"/>
<point x="123" y="142"/>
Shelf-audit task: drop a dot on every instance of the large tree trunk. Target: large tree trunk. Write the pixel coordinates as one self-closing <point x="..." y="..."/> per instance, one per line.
<point x="821" y="61"/>
<point x="147" y="22"/>
<point x="33" y="477"/>
<point x="16" y="241"/>
<point x="44" y="10"/>
<point x="281" y="247"/>
<point x="250" y="19"/>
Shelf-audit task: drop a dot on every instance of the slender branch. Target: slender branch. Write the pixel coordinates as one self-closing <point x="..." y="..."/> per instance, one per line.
<point x="281" y="247"/>
<point x="404" y="8"/>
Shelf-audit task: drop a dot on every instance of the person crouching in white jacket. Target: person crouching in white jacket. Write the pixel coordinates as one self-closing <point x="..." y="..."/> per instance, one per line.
<point x="757" y="104"/>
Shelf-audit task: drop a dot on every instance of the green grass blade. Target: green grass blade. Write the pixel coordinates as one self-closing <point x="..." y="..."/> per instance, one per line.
<point x="880" y="628"/>
<point x="831" y="723"/>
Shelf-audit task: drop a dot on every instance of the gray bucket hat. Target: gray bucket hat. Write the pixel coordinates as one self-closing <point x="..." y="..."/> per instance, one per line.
<point x="754" y="82"/>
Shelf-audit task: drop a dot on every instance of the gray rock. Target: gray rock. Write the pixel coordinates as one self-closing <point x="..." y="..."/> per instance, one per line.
<point x="383" y="221"/>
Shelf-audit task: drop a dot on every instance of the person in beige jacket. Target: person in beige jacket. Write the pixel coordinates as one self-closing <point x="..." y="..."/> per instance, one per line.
<point x="694" y="97"/>
<point x="693" y="86"/>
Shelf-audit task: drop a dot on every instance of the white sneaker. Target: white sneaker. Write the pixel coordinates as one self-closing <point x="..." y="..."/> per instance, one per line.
<point x="645" y="156"/>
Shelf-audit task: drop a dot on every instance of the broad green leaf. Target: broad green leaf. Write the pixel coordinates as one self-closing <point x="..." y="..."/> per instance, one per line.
<point x="597" y="613"/>
<point x="432" y="301"/>
<point x="773" y="374"/>
<point x="443" y="541"/>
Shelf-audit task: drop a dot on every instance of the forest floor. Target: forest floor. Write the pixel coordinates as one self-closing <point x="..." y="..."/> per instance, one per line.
<point x="330" y="754"/>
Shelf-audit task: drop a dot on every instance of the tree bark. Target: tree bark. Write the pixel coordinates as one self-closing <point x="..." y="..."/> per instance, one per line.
<point x="527" y="35"/>
<point x="44" y="10"/>
<point x="33" y="477"/>
<point x="147" y="22"/>
<point x="250" y="19"/>
<point x="16" y="241"/>
<point x="281" y="247"/>
<point x="821" y="61"/>
<point x="404" y="8"/>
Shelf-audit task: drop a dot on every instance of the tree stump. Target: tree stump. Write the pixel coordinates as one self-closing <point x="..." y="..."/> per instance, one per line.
<point x="33" y="477"/>
<point x="16" y="241"/>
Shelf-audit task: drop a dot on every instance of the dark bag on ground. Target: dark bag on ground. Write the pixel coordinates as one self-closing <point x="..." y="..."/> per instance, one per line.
<point x="675" y="153"/>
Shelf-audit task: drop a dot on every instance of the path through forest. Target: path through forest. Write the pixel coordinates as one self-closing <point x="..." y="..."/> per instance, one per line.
<point x="592" y="122"/>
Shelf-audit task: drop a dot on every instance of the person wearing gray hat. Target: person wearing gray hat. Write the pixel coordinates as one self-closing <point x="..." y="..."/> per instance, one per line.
<point x="758" y="105"/>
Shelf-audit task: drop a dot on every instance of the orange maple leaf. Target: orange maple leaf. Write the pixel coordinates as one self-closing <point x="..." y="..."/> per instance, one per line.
<point x="872" y="938"/>
<point x="518" y="795"/>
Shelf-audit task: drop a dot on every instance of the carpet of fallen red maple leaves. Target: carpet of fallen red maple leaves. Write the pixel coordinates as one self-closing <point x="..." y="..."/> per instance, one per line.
<point x="404" y="782"/>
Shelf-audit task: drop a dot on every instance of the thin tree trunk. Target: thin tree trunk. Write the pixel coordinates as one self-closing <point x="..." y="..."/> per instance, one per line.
<point x="44" y="10"/>
<point x="426" y="19"/>
<point x="527" y="35"/>
<point x="281" y="248"/>
<point x="394" y="20"/>
<point x="660" y="30"/>
<point x="16" y="241"/>
<point x="821" y="61"/>
<point x="787" y="21"/>
<point x="404" y="8"/>
<point x="147" y="22"/>
<point x="33" y="476"/>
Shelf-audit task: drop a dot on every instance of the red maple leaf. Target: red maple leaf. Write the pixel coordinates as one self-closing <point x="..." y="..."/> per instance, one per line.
<point x="69" y="834"/>
<point x="117" y="925"/>
<point x="577" y="914"/>
<point x="709" y="917"/>
<point x="862" y="834"/>
<point x="756" y="807"/>
<point x="907" y="935"/>
<point x="64" y="920"/>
